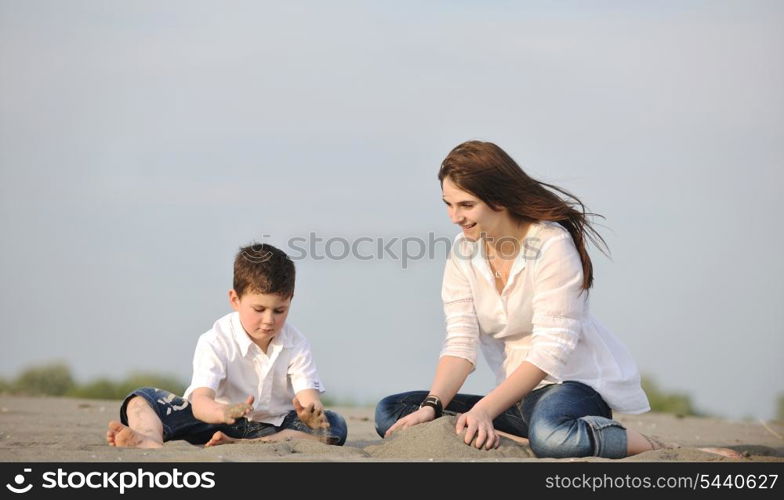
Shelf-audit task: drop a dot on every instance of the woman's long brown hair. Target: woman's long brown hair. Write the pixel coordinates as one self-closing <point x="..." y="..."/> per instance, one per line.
<point x="486" y="171"/>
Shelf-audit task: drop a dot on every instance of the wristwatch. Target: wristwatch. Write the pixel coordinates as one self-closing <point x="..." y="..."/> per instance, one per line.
<point x="434" y="403"/>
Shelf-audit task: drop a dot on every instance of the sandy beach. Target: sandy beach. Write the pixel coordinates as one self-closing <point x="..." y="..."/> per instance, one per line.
<point x="45" y="429"/>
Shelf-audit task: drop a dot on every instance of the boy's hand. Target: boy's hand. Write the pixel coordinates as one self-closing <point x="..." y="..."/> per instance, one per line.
<point x="313" y="416"/>
<point x="232" y="412"/>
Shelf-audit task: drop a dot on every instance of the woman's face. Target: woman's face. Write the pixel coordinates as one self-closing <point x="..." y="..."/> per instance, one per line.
<point x="474" y="216"/>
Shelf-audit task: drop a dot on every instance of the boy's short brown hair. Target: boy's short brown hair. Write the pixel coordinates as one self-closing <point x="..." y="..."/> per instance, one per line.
<point x="262" y="268"/>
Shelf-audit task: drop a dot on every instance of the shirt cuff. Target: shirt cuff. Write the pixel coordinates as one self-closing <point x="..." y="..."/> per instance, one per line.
<point x="208" y="382"/>
<point x="471" y="358"/>
<point x="546" y="362"/>
<point x="303" y="384"/>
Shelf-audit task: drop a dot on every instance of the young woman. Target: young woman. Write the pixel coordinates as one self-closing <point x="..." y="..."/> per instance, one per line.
<point x="516" y="285"/>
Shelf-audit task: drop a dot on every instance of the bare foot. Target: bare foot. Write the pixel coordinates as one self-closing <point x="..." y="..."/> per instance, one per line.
<point x="123" y="436"/>
<point x="658" y="444"/>
<point x="219" y="438"/>
<point x="724" y="452"/>
<point x="285" y="435"/>
<point x="517" y="439"/>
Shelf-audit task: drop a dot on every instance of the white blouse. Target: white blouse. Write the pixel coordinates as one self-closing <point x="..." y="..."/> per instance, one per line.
<point x="540" y="317"/>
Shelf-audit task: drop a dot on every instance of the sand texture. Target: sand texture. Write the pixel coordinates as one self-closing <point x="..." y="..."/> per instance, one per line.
<point x="73" y="430"/>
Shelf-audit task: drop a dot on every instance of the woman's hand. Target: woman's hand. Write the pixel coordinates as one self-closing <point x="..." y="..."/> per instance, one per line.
<point x="477" y="423"/>
<point x="422" y="415"/>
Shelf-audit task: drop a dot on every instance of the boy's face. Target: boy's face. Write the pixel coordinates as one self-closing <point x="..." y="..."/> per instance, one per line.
<point x="262" y="315"/>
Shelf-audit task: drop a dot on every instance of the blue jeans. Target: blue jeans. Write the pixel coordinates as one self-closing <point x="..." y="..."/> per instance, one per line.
<point x="176" y="415"/>
<point x="560" y="420"/>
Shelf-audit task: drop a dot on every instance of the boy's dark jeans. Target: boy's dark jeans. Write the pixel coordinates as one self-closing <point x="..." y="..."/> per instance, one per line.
<point x="176" y="414"/>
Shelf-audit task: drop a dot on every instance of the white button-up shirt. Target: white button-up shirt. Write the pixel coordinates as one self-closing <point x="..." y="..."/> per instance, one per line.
<point x="228" y="362"/>
<point x="540" y="317"/>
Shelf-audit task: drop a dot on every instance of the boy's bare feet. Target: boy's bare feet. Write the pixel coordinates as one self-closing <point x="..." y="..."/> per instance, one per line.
<point x="219" y="438"/>
<point x="285" y="435"/>
<point x="123" y="436"/>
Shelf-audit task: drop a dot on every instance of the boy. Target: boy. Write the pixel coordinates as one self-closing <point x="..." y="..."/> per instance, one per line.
<point x="253" y="373"/>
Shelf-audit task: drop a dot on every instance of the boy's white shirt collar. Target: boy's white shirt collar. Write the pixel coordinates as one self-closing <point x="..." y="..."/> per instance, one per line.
<point x="282" y="339"/>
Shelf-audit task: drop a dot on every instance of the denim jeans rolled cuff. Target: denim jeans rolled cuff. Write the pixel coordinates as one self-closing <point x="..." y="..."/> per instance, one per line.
<point x="585" y="436"/>
<point x="166" y="405"/>
<point x="609" y="437"/>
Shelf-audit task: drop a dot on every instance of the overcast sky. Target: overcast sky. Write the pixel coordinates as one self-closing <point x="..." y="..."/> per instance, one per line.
<point x="141" y="143"/>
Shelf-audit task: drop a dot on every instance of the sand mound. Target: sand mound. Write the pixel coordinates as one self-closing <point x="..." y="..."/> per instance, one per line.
<point x="437" y="440"/>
